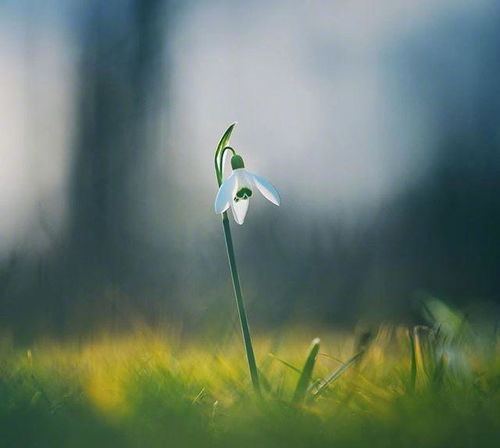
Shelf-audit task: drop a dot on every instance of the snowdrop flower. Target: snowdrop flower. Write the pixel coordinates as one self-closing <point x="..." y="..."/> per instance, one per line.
<point x="239" y="187"/>
<point x="235" y="192"/>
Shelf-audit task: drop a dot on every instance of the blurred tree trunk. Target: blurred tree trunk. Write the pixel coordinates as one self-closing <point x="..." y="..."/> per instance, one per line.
<point x="121" y="76"/>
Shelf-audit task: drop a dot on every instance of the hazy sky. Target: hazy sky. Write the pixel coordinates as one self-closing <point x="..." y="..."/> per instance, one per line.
<point x="314" y="86"/>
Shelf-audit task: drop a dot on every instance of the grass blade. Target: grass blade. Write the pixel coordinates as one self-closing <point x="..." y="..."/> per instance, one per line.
<point x="413" y="360"/>
<point x="318" y="389"/>
<point x="290" y="366"/>
<point x="306" y="374"/>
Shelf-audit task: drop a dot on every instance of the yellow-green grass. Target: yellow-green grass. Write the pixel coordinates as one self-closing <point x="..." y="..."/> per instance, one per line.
<point x="413" y="388"/>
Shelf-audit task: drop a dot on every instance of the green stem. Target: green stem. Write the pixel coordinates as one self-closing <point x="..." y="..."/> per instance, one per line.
<point x="218" y="159"/>
<point x="241" y="305"/>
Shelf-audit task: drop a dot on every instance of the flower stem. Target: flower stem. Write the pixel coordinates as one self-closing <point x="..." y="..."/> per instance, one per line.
<point x="219" y="168"/>
<point x="240" y="304"/>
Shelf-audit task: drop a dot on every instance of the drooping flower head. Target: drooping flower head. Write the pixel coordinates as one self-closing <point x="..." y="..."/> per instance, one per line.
<point x="237" y="190"/>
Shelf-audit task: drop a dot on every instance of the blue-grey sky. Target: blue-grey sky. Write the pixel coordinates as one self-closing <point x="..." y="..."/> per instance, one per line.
<point x="316" y="86"/>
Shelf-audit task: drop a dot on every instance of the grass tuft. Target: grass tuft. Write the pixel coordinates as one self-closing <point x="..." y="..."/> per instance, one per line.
<point x="433" y="386"/>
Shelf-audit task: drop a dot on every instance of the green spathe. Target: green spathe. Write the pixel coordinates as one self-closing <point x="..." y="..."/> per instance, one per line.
<point x="237" y="162"/>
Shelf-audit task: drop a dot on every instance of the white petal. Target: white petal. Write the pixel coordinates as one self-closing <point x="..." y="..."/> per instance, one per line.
<point x="225" y="194"/>
<point x="266" y="188"/>
<point x="239" y="210"/>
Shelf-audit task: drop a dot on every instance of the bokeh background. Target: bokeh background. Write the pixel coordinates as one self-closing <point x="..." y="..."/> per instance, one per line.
<point x="379" y="122"/>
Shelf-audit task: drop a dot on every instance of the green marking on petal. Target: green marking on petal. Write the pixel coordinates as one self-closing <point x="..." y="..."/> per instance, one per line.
<point x="243" y="193"/>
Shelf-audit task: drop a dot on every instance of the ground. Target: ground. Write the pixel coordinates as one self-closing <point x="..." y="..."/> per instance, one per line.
<point x="436" y="386"/>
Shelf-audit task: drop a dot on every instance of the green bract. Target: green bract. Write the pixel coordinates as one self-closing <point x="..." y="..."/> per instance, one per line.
<point x="237" y="162"/>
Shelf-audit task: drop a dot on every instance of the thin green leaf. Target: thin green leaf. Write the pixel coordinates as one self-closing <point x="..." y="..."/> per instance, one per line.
<point x="291" y="366"/>
<point x="321" y="387"/>
<point x="305" y="376"/>
<point x="413" y="360"/>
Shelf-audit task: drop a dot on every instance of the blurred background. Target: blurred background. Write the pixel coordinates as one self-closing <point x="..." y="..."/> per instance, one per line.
<point x="379" y="124"/>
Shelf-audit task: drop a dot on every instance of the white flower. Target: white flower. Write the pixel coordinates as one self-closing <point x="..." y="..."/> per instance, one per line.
<point x="238" y="188"/>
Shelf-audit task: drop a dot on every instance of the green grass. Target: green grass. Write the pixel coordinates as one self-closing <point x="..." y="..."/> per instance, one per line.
<point x="435" y="386"/>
